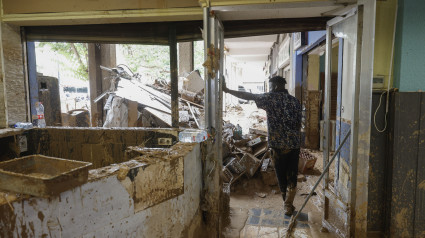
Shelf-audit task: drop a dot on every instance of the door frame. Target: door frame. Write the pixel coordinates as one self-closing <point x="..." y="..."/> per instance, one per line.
<point x="213" y="34"/>
<point x="360" y="122"/>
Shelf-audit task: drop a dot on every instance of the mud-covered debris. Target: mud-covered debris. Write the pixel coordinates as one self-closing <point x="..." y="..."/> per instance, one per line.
<point x="306" y="161"/>
<point x="251" y="163"/>
<point x="227" y="175"/>
<point x="265" y="164"/>
<point x="259" y="149"/>
<point x="151" y="101"/>
<point x="301" y="178"/>
<point x="236" y="166"/>
<point x="261" y="195"/>
<point x="122" y="172"/>
<point x="254" y="141"/>
<point x="257" y="132"/>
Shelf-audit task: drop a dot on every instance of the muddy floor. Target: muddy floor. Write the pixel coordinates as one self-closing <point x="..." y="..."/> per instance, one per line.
<point x="256" y="210"/>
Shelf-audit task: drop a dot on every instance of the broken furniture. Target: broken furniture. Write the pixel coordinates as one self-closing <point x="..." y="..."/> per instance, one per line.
<point x="243" y="155"/>
<point x="268" y="174"/>
<point x="42" y="176"/>
<point x="151" y="102"/>
<point x="247" y="154"/>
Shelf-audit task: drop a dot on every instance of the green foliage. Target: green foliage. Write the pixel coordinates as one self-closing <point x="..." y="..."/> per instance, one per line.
<point x="151" y="61"/>
<point x="74" y="53"/>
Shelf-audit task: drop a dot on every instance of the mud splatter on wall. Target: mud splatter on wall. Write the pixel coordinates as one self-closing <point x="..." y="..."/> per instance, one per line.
<point x="105" y="206"/>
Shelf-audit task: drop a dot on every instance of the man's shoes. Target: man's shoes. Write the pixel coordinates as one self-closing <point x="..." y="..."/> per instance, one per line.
<point x="288" y="207"/>
<point x="289" y="210"/>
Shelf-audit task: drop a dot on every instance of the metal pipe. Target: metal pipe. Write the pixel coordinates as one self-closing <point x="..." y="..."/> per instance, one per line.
<point x="193" y="114"/>
<point x="328" y="93"/>
<point x="174" y="77"/>
<point x="355" y="120"/>
<point x="325" y="171"/>
<point x="207" y="42"/>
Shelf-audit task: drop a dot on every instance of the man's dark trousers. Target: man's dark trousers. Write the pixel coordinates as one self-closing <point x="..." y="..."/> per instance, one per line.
<point x="286" y="167"/>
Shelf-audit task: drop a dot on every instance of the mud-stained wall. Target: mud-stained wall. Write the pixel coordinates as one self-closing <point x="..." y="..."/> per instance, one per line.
<point x="407" y="175"/>
<point x="378" y="168"/>
<point x="12" y="79"/>
<point x="99" y="146"/>
<point x="106" y="206"/>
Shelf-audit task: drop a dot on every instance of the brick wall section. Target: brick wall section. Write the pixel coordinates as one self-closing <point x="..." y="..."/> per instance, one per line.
<point x="12" y="76"/>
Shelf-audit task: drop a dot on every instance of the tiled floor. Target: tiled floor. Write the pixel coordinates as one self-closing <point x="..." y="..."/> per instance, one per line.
<point x="272" y="223"/>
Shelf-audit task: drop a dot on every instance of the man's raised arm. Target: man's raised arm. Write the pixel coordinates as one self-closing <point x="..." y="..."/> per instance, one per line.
<point x="239" y="94"/>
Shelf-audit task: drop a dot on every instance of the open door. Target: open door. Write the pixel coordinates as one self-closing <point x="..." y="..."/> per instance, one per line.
<point x="339" y="198"/>
<point x="214" y="49"/>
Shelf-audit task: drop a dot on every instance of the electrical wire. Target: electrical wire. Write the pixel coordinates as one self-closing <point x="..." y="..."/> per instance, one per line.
<point x="386" y="112"/>
<point x="389" y="80"/>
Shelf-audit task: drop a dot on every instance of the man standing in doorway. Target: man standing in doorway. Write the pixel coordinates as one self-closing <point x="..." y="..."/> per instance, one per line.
<point x="284" y="136"/>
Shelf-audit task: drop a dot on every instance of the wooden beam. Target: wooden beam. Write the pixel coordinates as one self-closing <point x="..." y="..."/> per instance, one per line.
<point x="103" y="17"/>
<point x="157" y="32"/>
<point x="81" y="6"/>
<point x="95" y="82"/>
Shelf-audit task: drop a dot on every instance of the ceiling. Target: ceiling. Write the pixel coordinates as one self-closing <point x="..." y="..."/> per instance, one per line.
<point x="283" y="10"/>
<point x="250" y="49"/>
<point x="257" y="48"/>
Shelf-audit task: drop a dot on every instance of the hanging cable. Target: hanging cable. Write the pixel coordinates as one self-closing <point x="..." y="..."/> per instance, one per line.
<point x="386" y="112"/>
<point x="389" y="80"/>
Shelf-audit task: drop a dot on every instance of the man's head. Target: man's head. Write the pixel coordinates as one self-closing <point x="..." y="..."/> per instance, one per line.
<point x="277" y="84"/>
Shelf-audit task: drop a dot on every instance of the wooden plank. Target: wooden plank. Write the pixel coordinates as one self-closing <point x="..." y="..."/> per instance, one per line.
<point x="95" y="82"/>
<point x="405" y="153"/>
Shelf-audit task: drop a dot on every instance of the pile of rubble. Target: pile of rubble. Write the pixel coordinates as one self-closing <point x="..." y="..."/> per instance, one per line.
<point x="245" y="154"/>
<point x="249" y="154"/>
<point x="132" y="102"/>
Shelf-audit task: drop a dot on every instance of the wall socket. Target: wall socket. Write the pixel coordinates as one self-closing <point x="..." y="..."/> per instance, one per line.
<point x="378" y="82"/>
<point x="165" y="141"/>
